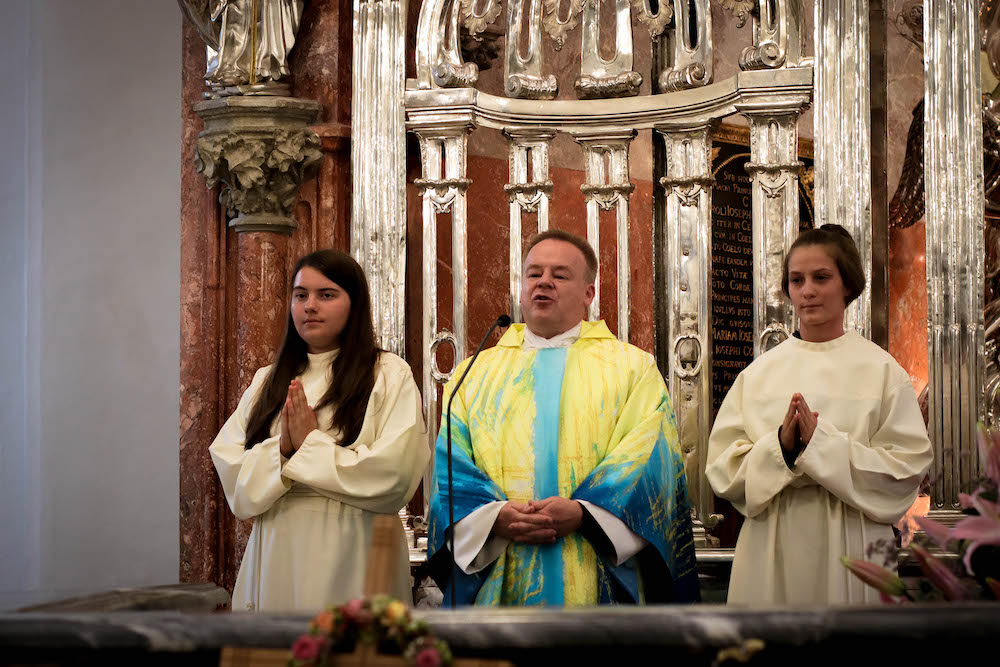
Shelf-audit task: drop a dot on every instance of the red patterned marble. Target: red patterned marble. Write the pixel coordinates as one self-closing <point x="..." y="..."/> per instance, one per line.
<point x="202" y="505"/>
<point x="908" y="302"/>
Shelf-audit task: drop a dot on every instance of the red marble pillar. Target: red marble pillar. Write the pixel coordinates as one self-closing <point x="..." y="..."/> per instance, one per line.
<point x="203" y="284"/>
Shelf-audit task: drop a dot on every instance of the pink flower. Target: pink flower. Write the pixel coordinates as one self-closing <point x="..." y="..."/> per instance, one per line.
<point x="979" y="530"/>
<point x="307" y="648"/>
<point x="940" y="574"/>
<point x="875" y="576"/>
<point x="428" y="657"/>
<point x="353" y="610"/>
<point x="935" y="530"/>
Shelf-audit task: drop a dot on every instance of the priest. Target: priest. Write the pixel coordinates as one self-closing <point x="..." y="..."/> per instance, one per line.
<point x="568" y="479"/>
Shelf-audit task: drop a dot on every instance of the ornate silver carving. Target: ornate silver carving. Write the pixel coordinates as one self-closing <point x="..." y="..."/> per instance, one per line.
<point x="600" y="77"/>
<point x="526" y="193"/>
<point x="603" y="127"/>
<point x="688" y="52"/>
<point x="740" y="9"/>
<point x="774" y="169"/>
<point x="608" y="187"/>
<point x="843" y="119"/>
<point x="523" y="73"/>
<point x="476" y="21"/>
<point x="439" y="55"/>
<point x="248" y="43"/>
<point x="655" y="23"/>
<point x="443" y="151"/>
<point x="259" y="149"/>
<point x="686" y="228"/>
<point x="953" y="153"/>
<point x="558" y="28"/>
<point x="777" y="36"/>
<point x="378" y="163"/>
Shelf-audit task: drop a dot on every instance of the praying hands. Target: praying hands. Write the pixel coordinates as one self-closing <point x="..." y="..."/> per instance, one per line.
<point x="799" y="424"/>
<point x="297" y="420"/>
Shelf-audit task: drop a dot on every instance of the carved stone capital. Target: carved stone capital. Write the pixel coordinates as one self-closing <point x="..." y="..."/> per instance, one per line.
<point x="259" y="149"/>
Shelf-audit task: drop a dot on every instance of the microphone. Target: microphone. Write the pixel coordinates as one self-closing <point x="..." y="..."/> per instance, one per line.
<point x="502" y="321"/>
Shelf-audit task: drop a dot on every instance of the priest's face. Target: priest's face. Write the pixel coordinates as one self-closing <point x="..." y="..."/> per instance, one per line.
<point x="320" y="308"/>
<point x="555" y="292"/>
<point x="817" y="292"/>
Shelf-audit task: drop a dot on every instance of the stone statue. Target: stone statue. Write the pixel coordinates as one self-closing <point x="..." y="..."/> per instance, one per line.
<point x="248" y="43"/>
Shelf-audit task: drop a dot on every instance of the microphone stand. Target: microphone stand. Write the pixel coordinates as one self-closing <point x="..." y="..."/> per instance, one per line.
<point x="502" y="321"/>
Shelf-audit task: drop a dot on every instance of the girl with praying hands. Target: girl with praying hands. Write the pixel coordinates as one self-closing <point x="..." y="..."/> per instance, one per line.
<point x="322" y="441"/>
<point x="819" y="443"/>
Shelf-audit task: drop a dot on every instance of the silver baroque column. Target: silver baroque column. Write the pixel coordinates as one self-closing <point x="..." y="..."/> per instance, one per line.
<point x="608" y="188"/>
<point x="443" y="188"/>
<point x="687" y="230"/>
<point x="953" y="164"/>
<point x="842" y="125"/>
<point x="378" y="162"/>
<point x="774" y="171"/>
<point x="530" y="193"/>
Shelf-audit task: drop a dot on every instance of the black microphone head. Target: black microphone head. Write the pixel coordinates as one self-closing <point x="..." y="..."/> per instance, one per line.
<point x="503" y="320"/>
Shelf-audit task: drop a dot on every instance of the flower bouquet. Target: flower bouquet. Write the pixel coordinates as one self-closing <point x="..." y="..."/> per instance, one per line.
<point x="975" y="538"/>
<point x="380" y="623"/>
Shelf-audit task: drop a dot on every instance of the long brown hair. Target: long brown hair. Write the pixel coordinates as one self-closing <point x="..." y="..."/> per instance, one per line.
<point x="353" y="368"/>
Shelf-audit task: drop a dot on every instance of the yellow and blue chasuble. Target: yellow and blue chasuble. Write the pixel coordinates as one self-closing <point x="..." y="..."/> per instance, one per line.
<point x="591" y="422"/>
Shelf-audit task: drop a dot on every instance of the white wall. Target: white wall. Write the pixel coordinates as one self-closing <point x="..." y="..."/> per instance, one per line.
<point x="89" y="290"/>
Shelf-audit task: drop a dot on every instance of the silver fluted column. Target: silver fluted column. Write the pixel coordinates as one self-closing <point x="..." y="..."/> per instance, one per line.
<point x="842" y="122"/>
<point x="687" y="257"/>
<point x="608" y="187"/>
<point x="527" y="192"/>
<point x="774" y="171"/>
<point x="953" y="164"/>
<point x="378" y="162"/>
<point x="443" y="187"/>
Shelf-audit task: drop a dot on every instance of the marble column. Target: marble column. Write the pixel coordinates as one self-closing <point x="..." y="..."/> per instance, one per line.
<point x="205" y="520"/>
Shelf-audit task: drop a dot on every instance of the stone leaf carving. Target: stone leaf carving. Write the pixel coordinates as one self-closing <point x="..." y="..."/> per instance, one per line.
<point x="740" y="9"/>
<point x="260" y="173"/>
<point x="558" y="29"/>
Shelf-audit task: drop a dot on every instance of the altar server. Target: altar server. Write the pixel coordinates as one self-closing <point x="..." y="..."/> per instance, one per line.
<point x="569" y="485"/>
<point x="819" y="443"/>
<point x="326" y="438"/>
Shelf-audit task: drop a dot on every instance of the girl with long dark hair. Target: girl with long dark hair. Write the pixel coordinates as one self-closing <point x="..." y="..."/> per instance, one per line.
<point x="324" y="439"/>
<point x="819" y="443"/>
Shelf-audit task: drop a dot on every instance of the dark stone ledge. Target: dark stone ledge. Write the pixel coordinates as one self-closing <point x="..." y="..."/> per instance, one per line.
<point x="679" y="634"/>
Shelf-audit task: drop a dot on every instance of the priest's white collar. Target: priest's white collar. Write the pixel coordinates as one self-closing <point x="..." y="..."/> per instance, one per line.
<point x="533" y="341"/>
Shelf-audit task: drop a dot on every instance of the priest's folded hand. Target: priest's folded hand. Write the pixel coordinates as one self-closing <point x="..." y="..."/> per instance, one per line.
<point x="566" y="514"/>
<point x="520" y="522"/>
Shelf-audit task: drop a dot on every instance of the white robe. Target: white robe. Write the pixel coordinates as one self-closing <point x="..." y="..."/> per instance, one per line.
<point x="859" y="473"/>
<point x="313" y="513"/>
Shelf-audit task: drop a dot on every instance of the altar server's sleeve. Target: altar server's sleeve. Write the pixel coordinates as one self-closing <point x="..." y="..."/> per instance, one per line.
<point x="880" y="478"/>
<point x="251" y="478"/>
<point x="381" y="475"/>
<point x="746" y="473"/>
